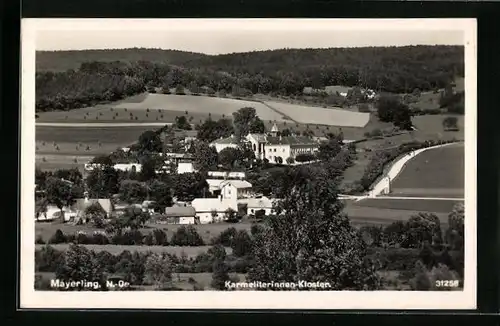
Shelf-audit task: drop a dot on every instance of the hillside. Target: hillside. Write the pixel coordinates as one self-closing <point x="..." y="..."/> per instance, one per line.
<point x="64" y="60"/>
<point x="116" y="74"/>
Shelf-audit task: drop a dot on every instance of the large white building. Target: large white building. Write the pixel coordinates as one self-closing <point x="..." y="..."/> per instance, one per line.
<point x="232" y="193"/>
<point x="275" y="148"/>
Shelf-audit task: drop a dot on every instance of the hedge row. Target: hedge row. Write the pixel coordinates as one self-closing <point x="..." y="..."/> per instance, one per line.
<point x="400" y="259"/>
<point x="375" y="167"/>
<point x="131" y="265"/>
<point x="184" y="236"/>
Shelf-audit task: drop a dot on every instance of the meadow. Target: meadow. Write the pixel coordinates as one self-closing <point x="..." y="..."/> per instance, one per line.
<point x="317" y="115"/>
<point x="441" y="169"/>
<point x="421" y="205"/>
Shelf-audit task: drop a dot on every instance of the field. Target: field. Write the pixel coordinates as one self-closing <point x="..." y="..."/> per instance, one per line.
<point x="117" y="249"/>
<point x="429" y="128"/>
<point x="440" y="169"/>
<point x="421" y="205"/>
<point x="164" y="108"/>
<point x="317" y="115"/>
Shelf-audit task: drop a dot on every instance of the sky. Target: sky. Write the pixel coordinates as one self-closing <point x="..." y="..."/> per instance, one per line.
<point x="227" y="36"/>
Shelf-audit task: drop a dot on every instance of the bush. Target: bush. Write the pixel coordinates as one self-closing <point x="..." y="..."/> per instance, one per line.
<point x="160" y="237"/>
<point x="241" y="244"/>
<point x="58" y="237"/>
<point x="225" y="238"/>
<point x="186" y="236"/>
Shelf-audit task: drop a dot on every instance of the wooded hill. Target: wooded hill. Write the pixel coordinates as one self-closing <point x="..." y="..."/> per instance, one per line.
<point x="107" y="75"/>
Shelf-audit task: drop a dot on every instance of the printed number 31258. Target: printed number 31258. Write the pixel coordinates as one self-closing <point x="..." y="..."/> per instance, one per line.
<point x="447" y="283"/>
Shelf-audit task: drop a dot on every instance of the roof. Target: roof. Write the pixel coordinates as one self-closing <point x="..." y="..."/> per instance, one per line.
<point x="214" y="182"/>
<point x="274" y="128"/>
<point x="81" y="204"/>
<point x="226" y="174"/>
<point x="180" y="211"/>
<point x="263" y="202"/>
<point x="261" y="138"/>
<point x="291" y="140"/>
<point x="240" y="184"/>
<point x="227" y="140"/>
<point x="209" y="204"/>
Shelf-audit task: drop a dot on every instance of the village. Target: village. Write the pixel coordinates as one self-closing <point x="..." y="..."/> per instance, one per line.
<point x="228" y="192"/>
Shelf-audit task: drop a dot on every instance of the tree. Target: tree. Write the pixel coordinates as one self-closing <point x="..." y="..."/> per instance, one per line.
<point x="304" y="157"/>
<point x="79" y="263"/>
<point x="133" y="217"/>
<point x="160" y="193"/>
<point x="257" y="126"/>
<point x="179" y="90"/>
<point x="182" y="123"/>
<point x="402" y="118"/>
<point x="132" y="191"/>
<point x="241" y="244"/>
<point x="149" y="142"/>
<point x="102" y="183"/>
<point x="220" y="270"/>
<point x="186" y="236"/>
<point x="421" y="228"/>
<point x="285" y="132"/>
<point x="330" y="148"/>
<point x="96" y="214"/>
<point x="103" y="160"/>
<point x="211" y="130"/>
<point x="149" y="165"/>
<point x="73" y="175"/>
<point x="243" y="120"/>
<point x="450" y="124"/>
<point x="158" y="271"/>
<point x="455" y="231"/>
<point x="230" y="215"/>
<point x="310" y="237"/>
<point x="205" y="157"/>
<point x="229" y="156"/>
<point x="59" y="193"/>
<point x="187" y="186"/>
<point x="386" y="106"/>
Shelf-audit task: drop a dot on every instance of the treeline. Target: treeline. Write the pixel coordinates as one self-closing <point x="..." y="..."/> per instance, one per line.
<point x="278" y="72"/>
<point x="65" y="60"/>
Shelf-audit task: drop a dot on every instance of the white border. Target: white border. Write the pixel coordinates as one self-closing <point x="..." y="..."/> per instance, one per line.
<point x="29" y="298"/>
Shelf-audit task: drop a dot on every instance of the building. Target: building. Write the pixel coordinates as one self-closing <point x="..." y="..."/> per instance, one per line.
<point x="256" y="204"/>
<point x="185" y="167"/>
<point x="232" y="194"/>
<point x="227" y="175"/>
<point x="179" y="215"/>
<point x="257" y="143"/>
<point x="223" y="143"/>
<point x="133" y="167"/>
<point x="215" y="185"/>
<point x="278" y="149"/>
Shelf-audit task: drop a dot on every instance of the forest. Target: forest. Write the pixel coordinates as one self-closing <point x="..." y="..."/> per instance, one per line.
<point x="107" y="75"/>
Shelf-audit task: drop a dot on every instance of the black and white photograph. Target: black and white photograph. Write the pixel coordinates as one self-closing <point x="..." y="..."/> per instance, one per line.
<point x="248" y="163"/>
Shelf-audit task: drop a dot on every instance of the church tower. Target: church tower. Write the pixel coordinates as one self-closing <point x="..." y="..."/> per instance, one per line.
<point x="274" y="130"/>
